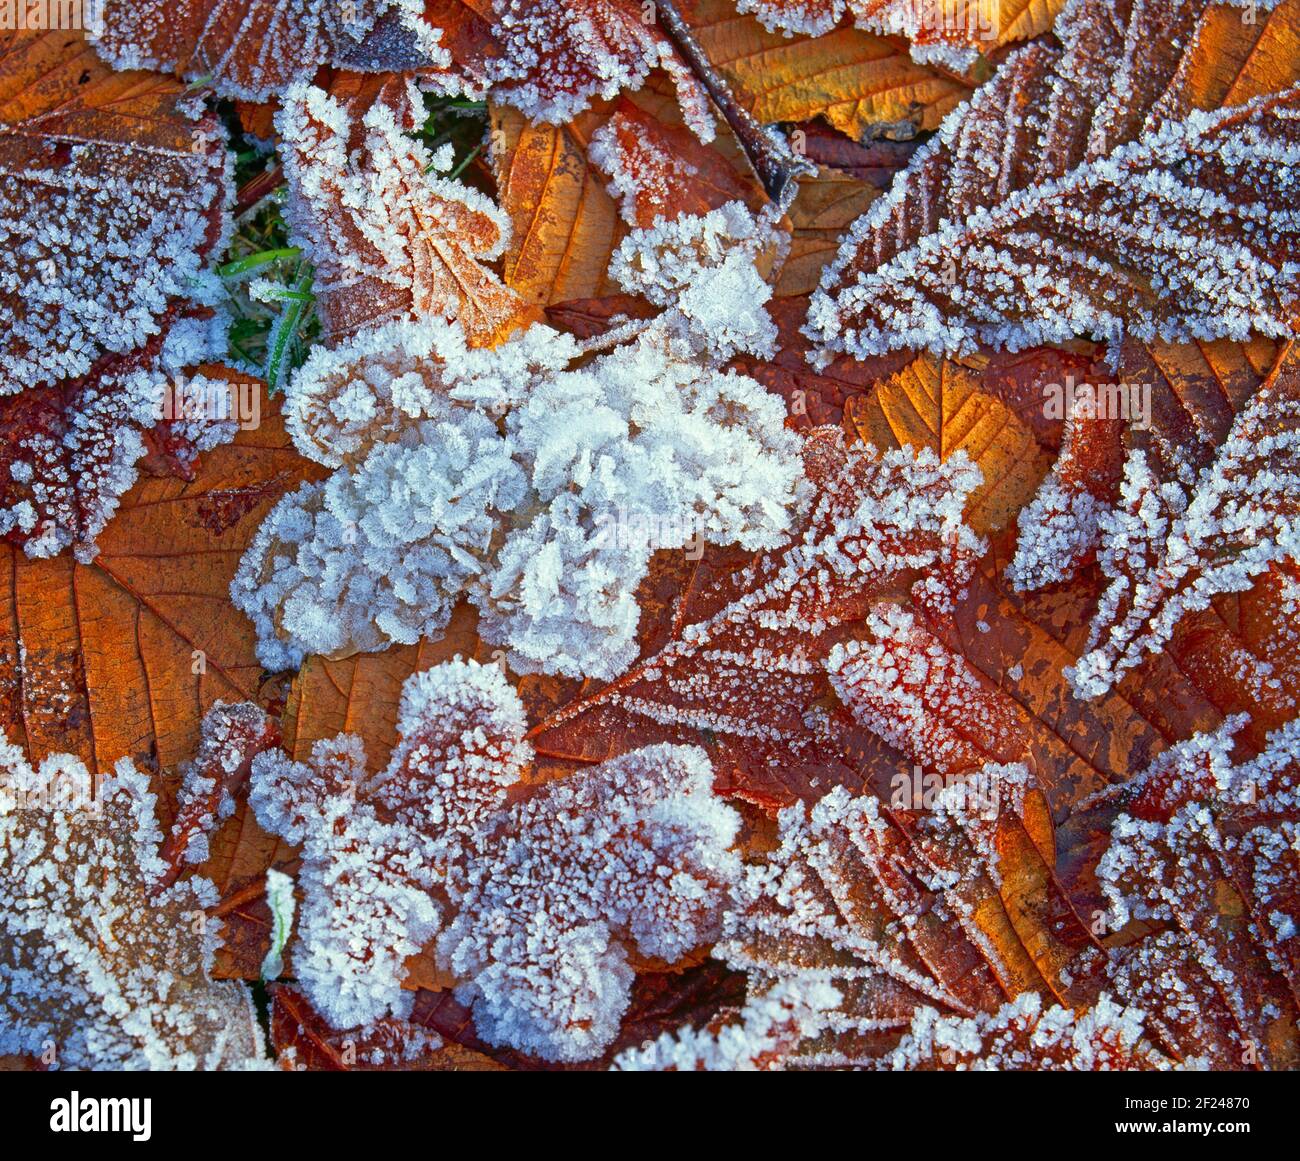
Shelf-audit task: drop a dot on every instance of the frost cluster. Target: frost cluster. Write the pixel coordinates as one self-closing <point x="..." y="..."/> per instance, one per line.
<point x="536" y="901"/>
<point x="705" y="265"/>
<point x="103" y="967"/>
<point x="523" y="478"/>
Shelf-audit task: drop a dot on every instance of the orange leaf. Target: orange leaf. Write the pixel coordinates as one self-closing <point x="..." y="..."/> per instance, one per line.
<point x="122" y="657"/>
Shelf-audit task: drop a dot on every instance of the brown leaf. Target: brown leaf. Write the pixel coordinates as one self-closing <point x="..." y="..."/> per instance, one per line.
<point x="734" y="661"/>
<point x="122" y="657"/>
<point x="389" y="240"/>
<point x="124" y="165"/>
<point x="858" y="82"/>
<point x="939" y="404"/>
<point x="254" y="49"/>
<point x="955" y="909"/>
<point x="1033" y="218"/>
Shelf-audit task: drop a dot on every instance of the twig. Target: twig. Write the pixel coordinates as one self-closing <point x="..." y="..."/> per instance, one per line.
<point x="775" y="164"/>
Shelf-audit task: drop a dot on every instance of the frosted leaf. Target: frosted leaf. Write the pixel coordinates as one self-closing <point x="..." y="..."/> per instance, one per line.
<point x="230" y="737"/>
<point x="1078" y="192"/>
<point x="538" y="900"/>
<point x="1169" y="548"/>
<point x="389" y="239"/>
<point x="744" y="665"/>
<point x="659" y="171"/>
<point x="555" y="890"/>
<point x="926" y="701"/>
<point x="254" y="49"/>
<point x="894" y="921"/>
<point x="948" y="32"/>
<point x="546" y="519"/>
<point x="1023" y="1036"/>
<point x="1062" y="524"/>
<point x="757" y="1038"/>
<point x="556" y="56"/>
<point x="104" y="966"/>
<point x="366" y="905"/>
<point x="71" y="451"/>
<point x="114" y="193"/>
<point x="1209" y="848"/>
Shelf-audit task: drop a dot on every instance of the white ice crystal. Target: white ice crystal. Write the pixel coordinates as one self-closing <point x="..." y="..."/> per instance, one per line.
<point x="535" y="486"/>
<point x="102" y="967"/>
<point x="704" y="265"/>
<point x="537" y="901"/>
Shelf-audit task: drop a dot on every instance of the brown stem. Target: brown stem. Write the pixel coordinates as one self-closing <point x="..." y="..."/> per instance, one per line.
<point x="775" y="164"/>
<point x="256" y="188"/>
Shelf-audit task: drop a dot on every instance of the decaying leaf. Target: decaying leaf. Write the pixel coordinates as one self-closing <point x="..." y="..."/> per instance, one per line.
<point x="739" y="668"/>
<point x="946" y="32"/>
<point x="114" y="191"/>
<point x="859" y="83"/>
<point x="1083" y="190"/>
<point x="104" y="965"/>
<point x="122" y="657"/>
<point x="253" y="49"/>
<point x="389" y="239"/>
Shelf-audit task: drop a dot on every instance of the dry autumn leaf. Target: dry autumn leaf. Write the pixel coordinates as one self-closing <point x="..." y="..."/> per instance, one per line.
<point x="121" y="657"/>
<point x="253" y="49"/>
<point x="1112" y="205"/>
<point x="121" y="183"/>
